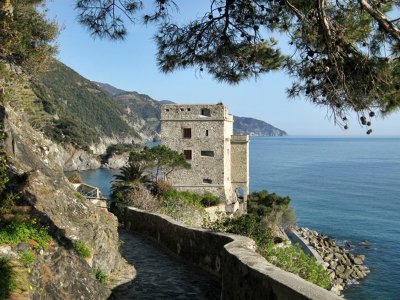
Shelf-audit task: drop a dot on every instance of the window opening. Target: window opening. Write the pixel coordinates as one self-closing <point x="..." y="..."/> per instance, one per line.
<point x="187" y="154"/>
<point x="239" y="193"/>
<point x="187" y="133"/>
<point x="207" y="153"/>
<point x="188" y="109"/>
<point x="206" y="132"/>
<point x="205" y="112"/>
<point x="207" y="180"/>
<point x="182" y="109"/>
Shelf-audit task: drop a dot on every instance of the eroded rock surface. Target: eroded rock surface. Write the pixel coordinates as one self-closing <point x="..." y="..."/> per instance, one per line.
<point x="59" y="272"/>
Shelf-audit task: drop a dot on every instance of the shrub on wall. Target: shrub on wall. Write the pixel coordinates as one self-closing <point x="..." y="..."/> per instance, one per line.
<point x="289" y="258"/>
<point x="208" y="199"/>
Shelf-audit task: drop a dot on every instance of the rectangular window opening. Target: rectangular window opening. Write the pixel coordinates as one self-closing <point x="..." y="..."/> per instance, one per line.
<point x="207" y="180"/>
<point x="187" y="133"/>
<point x="206" y="132"/>
<point x="207" y="153"/>
<point x="187" y="154"/>
<point x="205" y="112"/>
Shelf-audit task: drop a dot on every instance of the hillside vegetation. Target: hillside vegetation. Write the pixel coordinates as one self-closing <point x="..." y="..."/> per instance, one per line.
<point x="254" y="127"/>
<point x="78" y="112"/>
<point x="150" y="110"/>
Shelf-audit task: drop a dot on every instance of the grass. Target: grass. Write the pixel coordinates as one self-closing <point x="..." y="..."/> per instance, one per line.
<point x="28" y="258"/>
<point x="7" y="278"/>
<point x="293" y="259"/>
<point x="16" y="231"/>
<point x="82" y="249"/>
<point x="79" y="196"/>
<point x="100" y="275"/>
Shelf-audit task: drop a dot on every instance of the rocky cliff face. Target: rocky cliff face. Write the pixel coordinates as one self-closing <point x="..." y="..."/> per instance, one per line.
<point x="59" y="272"/>
<point x="254" y="127"/>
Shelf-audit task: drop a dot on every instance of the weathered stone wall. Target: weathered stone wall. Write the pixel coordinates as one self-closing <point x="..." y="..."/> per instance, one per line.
<point x="208" y="133"/>
<point x="244" y="273"/>
<point x="240" y="163"/>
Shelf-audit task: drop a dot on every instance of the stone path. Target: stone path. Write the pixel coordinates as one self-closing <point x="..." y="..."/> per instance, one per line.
<point x="160" y="275"/>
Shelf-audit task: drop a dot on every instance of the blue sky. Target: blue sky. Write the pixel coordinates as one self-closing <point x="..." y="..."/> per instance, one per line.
<point x="131" y="65"/>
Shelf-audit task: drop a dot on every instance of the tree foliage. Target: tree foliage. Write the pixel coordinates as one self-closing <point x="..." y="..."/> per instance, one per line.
<point x="26" y="36"/>
<point x="345" y="53"/>
<point x="142" y="174"/>
<point x="274" y="209"/>
<point x="159" y="161"/>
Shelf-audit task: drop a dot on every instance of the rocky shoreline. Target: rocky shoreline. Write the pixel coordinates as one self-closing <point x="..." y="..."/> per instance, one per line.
<point x="343" y="267"/>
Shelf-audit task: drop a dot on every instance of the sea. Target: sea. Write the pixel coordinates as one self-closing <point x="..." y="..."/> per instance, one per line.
<point x="346" y="188"/>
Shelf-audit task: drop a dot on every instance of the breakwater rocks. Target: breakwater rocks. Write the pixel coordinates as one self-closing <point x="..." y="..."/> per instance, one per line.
<point x="343" y="267"/>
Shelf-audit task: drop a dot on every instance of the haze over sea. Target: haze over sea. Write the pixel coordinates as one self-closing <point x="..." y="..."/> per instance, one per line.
<point x="347" y="188"/>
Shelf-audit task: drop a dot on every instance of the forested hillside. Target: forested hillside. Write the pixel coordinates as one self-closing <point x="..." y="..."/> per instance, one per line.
<point x="143" y="105"/>
<point x="78" y="112"/>
<point x="255" y="127"/>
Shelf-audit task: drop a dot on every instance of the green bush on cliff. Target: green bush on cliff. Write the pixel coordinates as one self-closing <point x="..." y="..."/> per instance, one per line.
<point x="28" y="258"/>
<point x="16" y="231"/>
<point x="82" y="249"/>
<point x="100" y="275"/>
<point x="7" y="278"/>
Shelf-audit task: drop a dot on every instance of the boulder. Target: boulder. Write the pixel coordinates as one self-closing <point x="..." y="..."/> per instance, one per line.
<point x="340" y="269"/>
<point x="359" y="260"/>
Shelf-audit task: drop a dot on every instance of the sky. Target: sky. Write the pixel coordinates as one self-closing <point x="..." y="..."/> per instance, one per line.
<point x="131" y="65"/>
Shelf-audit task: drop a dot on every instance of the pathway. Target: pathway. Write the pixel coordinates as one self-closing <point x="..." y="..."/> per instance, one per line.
<point x="160" y="275"/>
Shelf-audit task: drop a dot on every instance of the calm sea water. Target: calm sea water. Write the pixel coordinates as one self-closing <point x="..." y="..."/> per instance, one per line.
<point x="347" y="188"/>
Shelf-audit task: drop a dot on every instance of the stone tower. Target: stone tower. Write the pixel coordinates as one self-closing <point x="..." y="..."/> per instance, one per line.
<point x="219" y="159"/>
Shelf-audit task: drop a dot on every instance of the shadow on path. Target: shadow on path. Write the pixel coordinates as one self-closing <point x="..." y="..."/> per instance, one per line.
<point x="160" y="275"/>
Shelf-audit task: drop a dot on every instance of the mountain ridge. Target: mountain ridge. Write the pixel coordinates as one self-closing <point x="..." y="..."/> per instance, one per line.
<point x="151" y="110"/>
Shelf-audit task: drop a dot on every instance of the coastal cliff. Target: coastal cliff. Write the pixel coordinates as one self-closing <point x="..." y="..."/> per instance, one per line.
<point x="46" y="196"/>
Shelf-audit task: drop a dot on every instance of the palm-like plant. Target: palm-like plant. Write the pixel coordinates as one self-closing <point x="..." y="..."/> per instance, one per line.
<point x="132" y="175"/>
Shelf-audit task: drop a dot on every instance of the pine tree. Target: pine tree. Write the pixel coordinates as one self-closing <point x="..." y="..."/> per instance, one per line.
<point x="345" y="53"/>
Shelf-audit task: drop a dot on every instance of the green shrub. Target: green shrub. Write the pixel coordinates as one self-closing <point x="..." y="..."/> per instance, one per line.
<point x="205" y="200"/>
<point x="209" y="199"/>
<point x="170" y="196"/>
<point x="17" y="231"/>
<point x="262" y="202"/>
<point x="184" y="207"/>
<point x="28" y="258"/>
<point x="82" y="249"/>
<point x="79" y="196"/>
<point x="7" y="278"/>
<point x="247" y="225"/>
<point x="161" y="186"/>
<point x="293" y="259"/>
<point x="275" y="209"/>
<point x="100" y="275"/>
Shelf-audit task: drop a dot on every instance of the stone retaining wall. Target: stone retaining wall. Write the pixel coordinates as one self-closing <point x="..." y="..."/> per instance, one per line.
<point x="244" y="273"/>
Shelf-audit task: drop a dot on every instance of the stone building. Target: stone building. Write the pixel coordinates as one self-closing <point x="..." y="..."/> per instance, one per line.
<point x="219" y="159"/>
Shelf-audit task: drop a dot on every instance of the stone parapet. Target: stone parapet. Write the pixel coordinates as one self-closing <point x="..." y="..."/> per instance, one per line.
<point x="244" y="273"/>
<point x="239" y="139"/>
